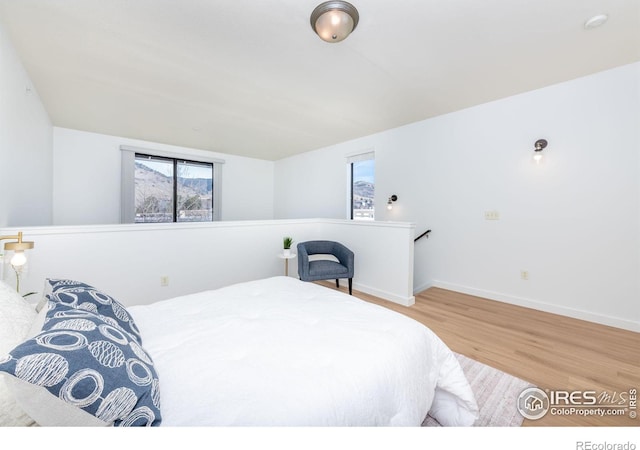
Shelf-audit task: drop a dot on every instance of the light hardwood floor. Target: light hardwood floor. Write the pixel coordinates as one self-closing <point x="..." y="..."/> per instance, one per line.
<point x="550" y="351"/>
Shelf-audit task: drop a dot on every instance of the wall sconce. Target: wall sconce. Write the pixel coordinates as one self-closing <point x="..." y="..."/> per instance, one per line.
<point x="392" y="199"/>
<point x="19" y="259"/>
<point x="334" y="21"/>
<point x="540" y="145"/>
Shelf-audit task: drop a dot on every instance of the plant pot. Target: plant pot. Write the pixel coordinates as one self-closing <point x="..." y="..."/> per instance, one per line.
<point x="287" y="252"/>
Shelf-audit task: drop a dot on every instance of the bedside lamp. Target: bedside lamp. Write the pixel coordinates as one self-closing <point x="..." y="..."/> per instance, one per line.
<point x="19" y="258"/>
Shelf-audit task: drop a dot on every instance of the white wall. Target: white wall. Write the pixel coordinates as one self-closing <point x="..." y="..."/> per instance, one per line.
<point x="86" y="179"/>
<point x="383" y="256"/>
<point x="313" y="184"/>
<point x="573" y="222"/>
<point x="25" y="145"/>
<point x="128" y="261"/>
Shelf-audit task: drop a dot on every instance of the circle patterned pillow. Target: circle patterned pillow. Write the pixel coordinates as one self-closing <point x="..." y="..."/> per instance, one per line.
<point x="90" y="363"/>
<point x="85" y="297"/>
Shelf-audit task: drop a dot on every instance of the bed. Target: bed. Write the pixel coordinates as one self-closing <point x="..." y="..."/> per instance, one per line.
<point x="270" y="352"/>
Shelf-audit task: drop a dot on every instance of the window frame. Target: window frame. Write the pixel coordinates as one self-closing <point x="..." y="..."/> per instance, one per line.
<point x="351" y="160"/>
<point x="127" y="204"/>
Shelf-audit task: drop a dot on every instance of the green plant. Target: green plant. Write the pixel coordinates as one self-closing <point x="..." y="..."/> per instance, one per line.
<point x="287" y="241"/>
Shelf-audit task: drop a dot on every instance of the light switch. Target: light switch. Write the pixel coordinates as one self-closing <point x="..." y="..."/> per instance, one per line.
<point x="492" y="215"/>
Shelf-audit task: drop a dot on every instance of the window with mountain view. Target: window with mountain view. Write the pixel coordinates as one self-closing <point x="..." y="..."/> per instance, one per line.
<point x="172" y="190"/>
<point x="362" y="189"/>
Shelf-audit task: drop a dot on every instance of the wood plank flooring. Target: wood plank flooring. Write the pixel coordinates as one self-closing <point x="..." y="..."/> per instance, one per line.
<point x="550" y="351"/>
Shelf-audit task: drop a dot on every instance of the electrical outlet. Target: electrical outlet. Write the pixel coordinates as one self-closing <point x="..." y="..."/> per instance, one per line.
<point x="524" y="274"/>
<point x="164" y="281"/>
<point x="492" y="215"/>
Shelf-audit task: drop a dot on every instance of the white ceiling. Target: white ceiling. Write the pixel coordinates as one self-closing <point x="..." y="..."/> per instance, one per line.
<point x="251" y="78"/>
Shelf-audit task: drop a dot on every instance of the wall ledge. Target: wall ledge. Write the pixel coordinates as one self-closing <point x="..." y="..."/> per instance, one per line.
<point x="114" y="228"/>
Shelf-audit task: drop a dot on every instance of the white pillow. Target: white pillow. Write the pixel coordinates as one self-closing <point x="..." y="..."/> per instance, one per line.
<point x="38" y="321"/>
<point x="49" y="410"/>
<point x="323" y="256"/>
<point x="45" y="292"/>
<point x="16" y="317"/>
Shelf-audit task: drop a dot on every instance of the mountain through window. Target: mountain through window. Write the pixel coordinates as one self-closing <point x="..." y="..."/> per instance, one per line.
<point x="363" y="189"/>
<point x="172" y="190"/>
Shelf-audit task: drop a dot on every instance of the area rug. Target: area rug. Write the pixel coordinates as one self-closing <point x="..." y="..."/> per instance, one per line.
<point x="496" y="393"/>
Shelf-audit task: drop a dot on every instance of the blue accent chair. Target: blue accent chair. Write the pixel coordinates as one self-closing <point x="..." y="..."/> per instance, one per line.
<point x="325" y="269"/>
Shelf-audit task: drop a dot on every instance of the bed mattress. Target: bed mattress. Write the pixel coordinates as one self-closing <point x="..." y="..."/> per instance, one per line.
<point x="282" y="352"/>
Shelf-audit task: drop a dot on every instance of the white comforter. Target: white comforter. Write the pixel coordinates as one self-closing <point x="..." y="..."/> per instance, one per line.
<point x="282" y="352"/>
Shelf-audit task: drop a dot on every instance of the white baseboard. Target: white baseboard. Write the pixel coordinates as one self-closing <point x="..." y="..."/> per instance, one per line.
<point x="535" y="304"/>
<point x="404" y="301"/>
<point x="422" y="287"/>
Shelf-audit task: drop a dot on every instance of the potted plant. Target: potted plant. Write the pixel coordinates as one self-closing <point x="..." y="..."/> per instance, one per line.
<point x="286" y="243"/>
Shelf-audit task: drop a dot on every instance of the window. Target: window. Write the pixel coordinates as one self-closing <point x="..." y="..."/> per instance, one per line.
<point x="158" y="187"/>
<point x="362" y="170"/>
<point x="172" y="190"/>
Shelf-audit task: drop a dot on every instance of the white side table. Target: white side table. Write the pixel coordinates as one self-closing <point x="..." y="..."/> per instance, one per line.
<point x="286" y="261"/>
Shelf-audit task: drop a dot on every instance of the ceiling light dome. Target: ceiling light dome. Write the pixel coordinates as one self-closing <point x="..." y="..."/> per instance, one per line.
<point x="334" y="21"/>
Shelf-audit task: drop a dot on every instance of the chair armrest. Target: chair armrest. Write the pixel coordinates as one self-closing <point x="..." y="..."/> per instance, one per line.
<point x="303" y="261"/>
<point x="345" y="256"/>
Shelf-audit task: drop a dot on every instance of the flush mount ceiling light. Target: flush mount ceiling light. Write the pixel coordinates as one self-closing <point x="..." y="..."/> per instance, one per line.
<point x="334" y="21"/>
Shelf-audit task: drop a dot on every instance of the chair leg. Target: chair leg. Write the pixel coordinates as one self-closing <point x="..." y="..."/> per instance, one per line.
<point x="350" y="286"/>
<point x="337" y="282"/>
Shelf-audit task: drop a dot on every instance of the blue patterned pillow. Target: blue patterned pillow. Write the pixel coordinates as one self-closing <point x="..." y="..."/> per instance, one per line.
<point x="83" y="296"/>
<point x="91" y="364"/>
